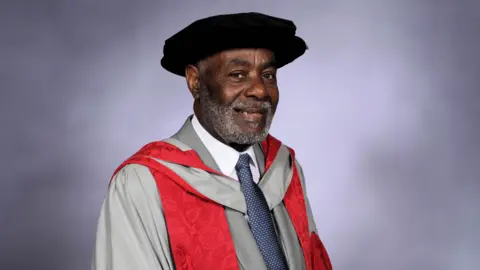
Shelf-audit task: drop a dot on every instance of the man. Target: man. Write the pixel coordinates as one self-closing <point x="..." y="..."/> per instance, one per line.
<point x="221" y="193"/>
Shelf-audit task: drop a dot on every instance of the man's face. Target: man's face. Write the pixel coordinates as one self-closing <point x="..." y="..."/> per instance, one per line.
<point x="238" y="95"/>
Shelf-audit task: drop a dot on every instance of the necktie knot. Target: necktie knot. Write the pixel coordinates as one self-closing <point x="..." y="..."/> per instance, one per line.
<point x="243" y="162"/>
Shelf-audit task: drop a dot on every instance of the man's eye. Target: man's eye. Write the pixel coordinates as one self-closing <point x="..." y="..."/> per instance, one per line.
<point x="269" y="76"/>
<point x="237" y="75"/>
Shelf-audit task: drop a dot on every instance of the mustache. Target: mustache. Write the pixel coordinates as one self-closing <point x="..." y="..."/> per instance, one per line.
<point x="253" y="105"/>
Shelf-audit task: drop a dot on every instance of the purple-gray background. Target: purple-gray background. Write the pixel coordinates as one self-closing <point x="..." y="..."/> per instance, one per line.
<point x="382" y="111"/>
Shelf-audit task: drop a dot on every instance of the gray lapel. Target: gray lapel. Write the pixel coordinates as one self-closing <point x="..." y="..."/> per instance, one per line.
<point x="260" y="156"/>
<point x="188" y="136"/>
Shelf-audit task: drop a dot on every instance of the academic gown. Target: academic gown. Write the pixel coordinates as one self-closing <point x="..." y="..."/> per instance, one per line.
<point x="132" y="231"/>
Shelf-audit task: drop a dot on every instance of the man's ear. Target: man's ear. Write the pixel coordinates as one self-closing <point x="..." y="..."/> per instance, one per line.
<point x="192" y="75"/>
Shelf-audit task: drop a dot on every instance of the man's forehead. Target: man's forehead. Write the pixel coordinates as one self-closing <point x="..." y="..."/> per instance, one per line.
<point x="245" y="56"/>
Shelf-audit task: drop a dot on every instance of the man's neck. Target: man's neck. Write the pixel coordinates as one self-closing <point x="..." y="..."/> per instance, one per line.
<point x="224" y="155"/>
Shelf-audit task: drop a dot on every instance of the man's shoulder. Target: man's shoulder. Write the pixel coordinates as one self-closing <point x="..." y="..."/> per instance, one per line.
<point x="292" y="152"/>
<point x="130" y="166"/>
<point x="271" y="140"/>
<point x="130" y="170"/>
<point x="156" y="148"/>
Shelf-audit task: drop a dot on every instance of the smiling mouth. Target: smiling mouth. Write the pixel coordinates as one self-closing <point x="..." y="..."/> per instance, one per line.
<point x="251" y="114"/>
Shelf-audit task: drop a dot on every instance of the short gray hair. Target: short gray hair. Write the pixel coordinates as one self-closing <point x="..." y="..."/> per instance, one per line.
<point x="202" y="66"/>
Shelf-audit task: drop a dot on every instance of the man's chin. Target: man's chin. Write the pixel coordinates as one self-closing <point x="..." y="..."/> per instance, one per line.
<point x="250" y="136"/>
<point x="245" y="132"/>
<point x="252" y="128"/>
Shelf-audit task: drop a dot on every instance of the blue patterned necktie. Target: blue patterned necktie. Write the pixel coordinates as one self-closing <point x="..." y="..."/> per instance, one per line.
<point x="259" y="217"/>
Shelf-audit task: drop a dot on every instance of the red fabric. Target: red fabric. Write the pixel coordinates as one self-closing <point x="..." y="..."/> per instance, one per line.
<point x="197" y="226"/>
<point x="320" y="259"/>
<point x="294" y="201"/>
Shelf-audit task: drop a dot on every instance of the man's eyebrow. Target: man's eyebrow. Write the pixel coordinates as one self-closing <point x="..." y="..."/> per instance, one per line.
<point x="238" y="62"/>
<point x="270" y="63"/>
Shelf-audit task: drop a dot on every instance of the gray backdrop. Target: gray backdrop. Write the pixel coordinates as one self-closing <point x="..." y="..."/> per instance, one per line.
<point x="382" y="111"/>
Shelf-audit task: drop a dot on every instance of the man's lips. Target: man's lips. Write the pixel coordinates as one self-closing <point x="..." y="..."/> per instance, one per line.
<point x="252" y="110"/>
<point x="251" y="114"/>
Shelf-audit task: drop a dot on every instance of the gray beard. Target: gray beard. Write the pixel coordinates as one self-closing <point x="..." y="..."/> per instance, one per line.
<point x="222" y="119"/>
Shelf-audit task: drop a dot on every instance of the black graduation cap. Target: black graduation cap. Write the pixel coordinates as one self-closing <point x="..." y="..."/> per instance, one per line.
<point x="211" y="35"/>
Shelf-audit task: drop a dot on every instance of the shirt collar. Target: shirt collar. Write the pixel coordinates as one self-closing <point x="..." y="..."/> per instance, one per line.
<point x="225" y="156"/>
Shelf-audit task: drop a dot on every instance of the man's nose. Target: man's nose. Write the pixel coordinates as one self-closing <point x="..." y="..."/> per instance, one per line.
<point x="258" y="89"/>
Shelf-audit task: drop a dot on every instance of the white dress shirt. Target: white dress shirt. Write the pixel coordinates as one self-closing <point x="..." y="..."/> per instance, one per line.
<point x="225" y="156"/>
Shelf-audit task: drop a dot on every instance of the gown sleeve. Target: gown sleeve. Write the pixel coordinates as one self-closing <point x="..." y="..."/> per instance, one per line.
<point x="131" y="231"/>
